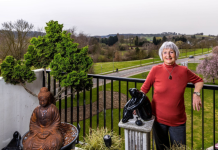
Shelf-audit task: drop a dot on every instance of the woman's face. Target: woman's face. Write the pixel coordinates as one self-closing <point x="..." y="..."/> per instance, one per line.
<point x="169" y="56"/>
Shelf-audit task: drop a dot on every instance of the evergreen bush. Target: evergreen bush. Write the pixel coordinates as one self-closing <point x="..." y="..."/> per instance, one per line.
<point x="56" y="50"/>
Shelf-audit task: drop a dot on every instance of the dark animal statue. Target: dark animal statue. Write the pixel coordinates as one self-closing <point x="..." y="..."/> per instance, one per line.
<point x="138" y="102"/>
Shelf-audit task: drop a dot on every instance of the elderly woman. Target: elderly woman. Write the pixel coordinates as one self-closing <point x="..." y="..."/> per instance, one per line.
<point x="169" y="81"/>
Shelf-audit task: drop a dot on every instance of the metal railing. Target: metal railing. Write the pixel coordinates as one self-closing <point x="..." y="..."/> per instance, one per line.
<point x="97" y="83"/>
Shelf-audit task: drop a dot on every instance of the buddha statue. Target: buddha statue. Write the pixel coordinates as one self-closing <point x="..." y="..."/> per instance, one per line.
<point x="44" y="133"/>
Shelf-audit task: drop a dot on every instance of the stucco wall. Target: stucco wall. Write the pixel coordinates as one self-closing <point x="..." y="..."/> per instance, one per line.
<point x="16" y="106"/>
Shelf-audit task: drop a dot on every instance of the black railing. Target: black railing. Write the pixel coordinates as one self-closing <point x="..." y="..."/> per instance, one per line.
<point x="97" y="82"/>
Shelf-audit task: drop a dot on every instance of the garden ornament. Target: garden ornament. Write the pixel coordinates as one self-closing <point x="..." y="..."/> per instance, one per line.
<point x="44" y="132"/>
<point x="14" y="143"/>
<point x="138" y="122"/>
<point x="107" y="140"/>
<point x="140" y="103"/>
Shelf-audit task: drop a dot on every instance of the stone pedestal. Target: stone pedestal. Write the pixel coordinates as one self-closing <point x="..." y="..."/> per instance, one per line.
<point x="137" y="137"/>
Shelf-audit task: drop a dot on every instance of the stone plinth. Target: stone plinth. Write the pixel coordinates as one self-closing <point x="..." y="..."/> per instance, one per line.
<point x="137" y="137"/>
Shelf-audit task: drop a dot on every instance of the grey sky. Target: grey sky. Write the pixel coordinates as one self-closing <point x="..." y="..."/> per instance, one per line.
<point x="102" y="17"/>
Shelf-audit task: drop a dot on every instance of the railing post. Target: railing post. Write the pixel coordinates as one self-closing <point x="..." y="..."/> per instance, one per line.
<point x="120" y="104"/>
<point x="84" y="113"/>
<point x="49" y="81"/>
<point x="202" y="118"/>
<point x="214" y="130"/>
<point x="78" y="112"/>
<point x="191" y="118"/>
<point x="104" y="103"/>
<point x="112" y="105"/>
<point x="71" y="101"/>
<point x="43" y="79"/>
<point x="65" y="108"/>
<point x="60" y="100"/>
<point x="97" y="102"/>
<point x="127" y="90"/>
<point x="90" y="107"/>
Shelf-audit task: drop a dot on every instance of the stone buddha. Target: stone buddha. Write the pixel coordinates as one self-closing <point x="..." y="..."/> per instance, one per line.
<point x="44" y="125"/>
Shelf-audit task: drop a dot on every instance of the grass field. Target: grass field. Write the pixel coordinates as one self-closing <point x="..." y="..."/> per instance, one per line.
<point x="197" y="115"/>
<point x="108" y="66"/>
<point x="193" y="52"/>
<point x="149" y="38"/>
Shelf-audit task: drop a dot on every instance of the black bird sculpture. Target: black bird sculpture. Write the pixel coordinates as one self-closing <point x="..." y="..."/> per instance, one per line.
<point x="138" y="102"/>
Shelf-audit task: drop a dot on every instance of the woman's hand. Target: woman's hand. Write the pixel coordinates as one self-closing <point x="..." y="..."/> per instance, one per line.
<point x="196" y="102"/>
<point x="197" y="99"/>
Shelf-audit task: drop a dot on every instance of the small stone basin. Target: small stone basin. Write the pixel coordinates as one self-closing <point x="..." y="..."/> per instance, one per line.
<point x="69" y="132"/>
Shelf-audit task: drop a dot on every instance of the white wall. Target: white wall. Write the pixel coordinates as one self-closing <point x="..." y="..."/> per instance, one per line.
<point x="16" y="107"/>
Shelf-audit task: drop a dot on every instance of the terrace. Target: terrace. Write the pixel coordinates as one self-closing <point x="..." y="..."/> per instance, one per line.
<point x="89" y="109"/>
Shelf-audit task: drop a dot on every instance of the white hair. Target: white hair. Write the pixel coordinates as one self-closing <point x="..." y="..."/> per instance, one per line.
<point x="168" y="45"/>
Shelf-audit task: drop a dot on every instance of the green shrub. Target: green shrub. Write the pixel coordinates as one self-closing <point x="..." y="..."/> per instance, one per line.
<point x="55" y="50"/>
<point x="15" y="72"/>
<point x="123" y="47"/>
<point x="137" y="50"/>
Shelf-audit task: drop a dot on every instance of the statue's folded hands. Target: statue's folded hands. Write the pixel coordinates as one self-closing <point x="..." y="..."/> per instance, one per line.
<point x="43" y="135"/>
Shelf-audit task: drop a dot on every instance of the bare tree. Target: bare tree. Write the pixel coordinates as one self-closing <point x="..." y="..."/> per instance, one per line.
<point x="16" y="38"/>
<point x="208" y="43"/>
<point x="81" y="38"/>
<point x="202" y="45"/>
<point x="94" y="46"/>
<point x="4" y="51"/>
<point x="150" y="49"/>
<point x="141" y="55"/>
<point x="131" y="40"/>
<point x="214" y="42"/>
<point x="117" y="56"/>
<point x="120" y="38"/>
<point x="179" y="44"/>
<point x="186" y="46"/>
<point x="215" y="50"/>
<point x="72" y="31"/>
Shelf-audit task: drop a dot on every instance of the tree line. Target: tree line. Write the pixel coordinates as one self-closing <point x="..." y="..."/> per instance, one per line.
<point x="15" y="38"/>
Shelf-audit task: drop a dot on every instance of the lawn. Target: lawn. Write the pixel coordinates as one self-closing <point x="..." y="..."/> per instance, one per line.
<point x="193" y="52"/>
<point x="108" y="89"/>
<point x="108" y="66"/>
<point x="197" y="115"/>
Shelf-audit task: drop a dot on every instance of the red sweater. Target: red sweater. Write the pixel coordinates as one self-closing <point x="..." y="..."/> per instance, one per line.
<point x="168" y="99"/>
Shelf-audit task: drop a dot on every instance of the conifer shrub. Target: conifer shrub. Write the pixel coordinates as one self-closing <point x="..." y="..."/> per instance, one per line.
<point x="55" y="50"/>
<point x="14" y="72"/>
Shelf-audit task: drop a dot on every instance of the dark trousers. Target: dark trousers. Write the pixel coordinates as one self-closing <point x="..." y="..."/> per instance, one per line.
<point x="162" y="133"/>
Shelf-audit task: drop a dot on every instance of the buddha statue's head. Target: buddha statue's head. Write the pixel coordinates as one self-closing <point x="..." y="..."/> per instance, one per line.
<point x="44" y="97"/>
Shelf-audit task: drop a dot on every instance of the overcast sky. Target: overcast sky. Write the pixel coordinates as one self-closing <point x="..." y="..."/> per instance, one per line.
<point x="102" y="17"/>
